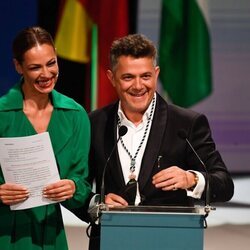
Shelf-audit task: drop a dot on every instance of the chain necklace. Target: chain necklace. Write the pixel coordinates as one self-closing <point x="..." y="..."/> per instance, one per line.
<point x="132" y="163"/>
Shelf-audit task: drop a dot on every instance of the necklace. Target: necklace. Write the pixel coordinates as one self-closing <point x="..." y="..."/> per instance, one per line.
<point x="132" y="163"/>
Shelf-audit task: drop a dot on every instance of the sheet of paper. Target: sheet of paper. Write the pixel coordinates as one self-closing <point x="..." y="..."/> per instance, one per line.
<point x="29" y="161"/>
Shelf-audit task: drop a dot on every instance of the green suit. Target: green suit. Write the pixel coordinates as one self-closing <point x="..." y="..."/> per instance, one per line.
<point x="69" y="130"/>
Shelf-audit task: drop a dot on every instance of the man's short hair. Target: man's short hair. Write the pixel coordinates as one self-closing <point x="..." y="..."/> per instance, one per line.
<point x="135" y="45"/>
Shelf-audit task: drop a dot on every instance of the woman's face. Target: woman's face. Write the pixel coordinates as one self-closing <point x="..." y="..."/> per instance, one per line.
<point x="39" y="68"/>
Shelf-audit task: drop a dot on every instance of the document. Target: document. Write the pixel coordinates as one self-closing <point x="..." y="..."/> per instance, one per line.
<point x="29" y="161"/>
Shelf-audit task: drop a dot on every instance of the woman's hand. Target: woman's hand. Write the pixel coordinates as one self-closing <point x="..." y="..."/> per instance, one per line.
<point x="60" y="191"/>
<point x="11" y="194"/>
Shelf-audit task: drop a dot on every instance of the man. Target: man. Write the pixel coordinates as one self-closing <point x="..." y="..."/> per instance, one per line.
<point x="153" y="153"/>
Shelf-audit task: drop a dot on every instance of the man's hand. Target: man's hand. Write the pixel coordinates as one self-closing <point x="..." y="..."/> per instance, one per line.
<point x="173" y="178"/>
<point x="115" y="200"/>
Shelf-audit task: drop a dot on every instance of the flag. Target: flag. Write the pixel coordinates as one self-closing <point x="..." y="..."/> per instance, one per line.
<point x="112" y="20"/>
<point x="85" y="32"/>
<point x="184" y="51"/>
<point x="73" y="32"/>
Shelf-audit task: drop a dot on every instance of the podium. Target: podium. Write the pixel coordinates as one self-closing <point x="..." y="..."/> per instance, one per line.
<point x="149" y="228"/>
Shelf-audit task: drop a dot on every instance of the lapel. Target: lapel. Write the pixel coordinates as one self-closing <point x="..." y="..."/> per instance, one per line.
<point x="60" y="126"/>
<point x="114" y="166"/>
<point x="154" y="141"/>
<point x="60" y="135"/>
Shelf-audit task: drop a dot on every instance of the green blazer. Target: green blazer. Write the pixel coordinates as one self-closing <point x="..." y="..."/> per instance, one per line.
<point x="69" y="130"/>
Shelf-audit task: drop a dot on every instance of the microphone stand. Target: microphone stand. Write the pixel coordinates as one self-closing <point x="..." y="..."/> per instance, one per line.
<point x="207" y="208"/>
<point x="99" y="203"/>
<point x="102" y="206"/>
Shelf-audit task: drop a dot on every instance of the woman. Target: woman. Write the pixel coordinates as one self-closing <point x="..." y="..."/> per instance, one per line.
<point x="30" y="107"/>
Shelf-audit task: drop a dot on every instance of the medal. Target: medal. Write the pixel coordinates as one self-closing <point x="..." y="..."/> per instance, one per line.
<point x="132" y="176"/>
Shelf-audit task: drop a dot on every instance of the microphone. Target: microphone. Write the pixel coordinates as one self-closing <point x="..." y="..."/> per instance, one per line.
<point x="183" y="135"/>
<point x="122" y="131"/>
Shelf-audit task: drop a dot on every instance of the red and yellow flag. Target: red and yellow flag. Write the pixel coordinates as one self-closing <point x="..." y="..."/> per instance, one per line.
<point x="87" y="28"/>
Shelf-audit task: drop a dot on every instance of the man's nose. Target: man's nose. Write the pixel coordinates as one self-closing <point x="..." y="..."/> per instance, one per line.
<point x="138" y="83"/>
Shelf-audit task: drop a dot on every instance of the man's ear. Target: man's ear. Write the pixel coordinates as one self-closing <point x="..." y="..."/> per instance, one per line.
<point x="157" y="71"/>
<point x="110" y="76"/>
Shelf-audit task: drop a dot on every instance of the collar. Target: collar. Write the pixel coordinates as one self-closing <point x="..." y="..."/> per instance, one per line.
<point x="13" y="100"/>
<point x="124" y="120"/>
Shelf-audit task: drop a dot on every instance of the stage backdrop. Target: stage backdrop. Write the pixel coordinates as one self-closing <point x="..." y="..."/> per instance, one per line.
<point x="227" y="108"/>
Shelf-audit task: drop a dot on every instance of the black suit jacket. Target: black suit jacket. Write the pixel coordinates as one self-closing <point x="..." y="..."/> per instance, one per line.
<point x="163" y="141"/>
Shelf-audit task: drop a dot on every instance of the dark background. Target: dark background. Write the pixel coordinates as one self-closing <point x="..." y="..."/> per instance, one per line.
<point x="15" y="15"/>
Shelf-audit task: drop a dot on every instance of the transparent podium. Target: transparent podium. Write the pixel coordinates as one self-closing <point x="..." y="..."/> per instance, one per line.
<point x="152" y="228"/>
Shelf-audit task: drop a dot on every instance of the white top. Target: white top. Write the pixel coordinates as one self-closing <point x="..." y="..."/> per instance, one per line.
<point x="132" y="140"/>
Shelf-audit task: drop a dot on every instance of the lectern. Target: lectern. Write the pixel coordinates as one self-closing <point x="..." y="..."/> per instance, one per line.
<point x="152" y="228"/>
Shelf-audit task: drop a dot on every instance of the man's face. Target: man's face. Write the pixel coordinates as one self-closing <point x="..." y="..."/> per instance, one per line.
<point x="135" y="81"/>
